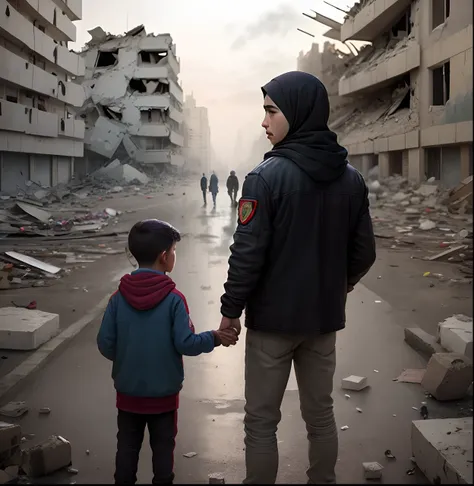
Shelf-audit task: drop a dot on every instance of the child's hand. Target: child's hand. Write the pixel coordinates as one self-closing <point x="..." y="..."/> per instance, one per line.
<point x="227" y="337"/>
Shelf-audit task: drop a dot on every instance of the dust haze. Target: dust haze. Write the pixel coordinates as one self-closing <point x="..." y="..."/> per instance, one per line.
<point x="227" y="51"/>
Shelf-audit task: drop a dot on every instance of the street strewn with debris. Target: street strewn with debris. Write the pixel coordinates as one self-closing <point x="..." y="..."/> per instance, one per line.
<point x="379" y="396"/>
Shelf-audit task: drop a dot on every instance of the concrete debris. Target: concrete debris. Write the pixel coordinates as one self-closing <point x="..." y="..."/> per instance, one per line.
<point x="426" y="225"/>
<point x="14" y="409"/>
<point x="345" y="427"/>
<point x="216" y="478"/>
<point x="372" y="470"/>
<point x="44" y="411"/>
<point x="355" y="383"/>
<point x="455" y="335"/>
<point x="25" y="329"/>
<point x="442" y="449"/>
<point x="125" y="173"/>
<point x="10" y="439"/>
<point x="448" y="376"/>
<point x="411" y="376"/>
<point x="421" y="341"/>
<point x="189" y="455"/>
<point x="47" y="457"/>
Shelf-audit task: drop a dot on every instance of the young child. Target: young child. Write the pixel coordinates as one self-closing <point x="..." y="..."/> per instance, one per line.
<point x="145" y="332"/>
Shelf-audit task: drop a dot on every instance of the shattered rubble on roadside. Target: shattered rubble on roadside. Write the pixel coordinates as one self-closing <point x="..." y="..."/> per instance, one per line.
<point x="424" y="217"/>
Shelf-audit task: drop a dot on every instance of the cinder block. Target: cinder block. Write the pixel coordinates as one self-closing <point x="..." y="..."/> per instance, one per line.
<point x="442" y="449"/>
<point x="26" y="329"/>
<point x="422" y="341"/>
<point x="448" y="376"/>
<point x="10" y="439"/>
<point x="45" y="458"/>
<point x="355" y="383"/>
<point x="455" y="334"/>
<point x="216" y="478"/>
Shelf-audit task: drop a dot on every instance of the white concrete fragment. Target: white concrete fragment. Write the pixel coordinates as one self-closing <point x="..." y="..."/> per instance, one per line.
<point x="455" y="334"/>
<point x="372" y="470"/>
<point x="216" y="478"/>
<point x="427" y="224"/>
<point x="427" y="190"/>
<point x="442" y="449"/>
<point x="345" y="427"/>
<point x="49" y="456"/>
<point x="355" y="383"/>
<point x="189" y="455"/>
<point x="26" y="329"/>
<point x="10" y="439"/>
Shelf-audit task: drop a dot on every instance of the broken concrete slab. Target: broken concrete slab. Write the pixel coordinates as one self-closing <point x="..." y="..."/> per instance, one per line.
<point x="127" y="173"/>
<point x="34" y="212"/>
<point x="25" y="329"/>
<point x="216" y="478"/>
<point x="14" y="409"/>
<point x="33" y="262"/>
<point x="426" y="190"/>
<point x="10" y="439"/>
<point x="422" y="341"/>
<point x="355" y="383"/>
<point x="455" y="334"/>
<point x="442" y="449"/>
<point x="49" y="456"/>
<point x="448" y="376"/>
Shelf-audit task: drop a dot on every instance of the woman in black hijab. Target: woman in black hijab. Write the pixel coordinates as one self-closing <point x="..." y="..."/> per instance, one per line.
<point x="304" y="239"/>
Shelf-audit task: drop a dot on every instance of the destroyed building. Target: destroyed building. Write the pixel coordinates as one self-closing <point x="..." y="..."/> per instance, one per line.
<point x="133" y="109"/>
<point x="197" y="136"/>
<point x="410" y="88"/>
<point x="328" y="65"/>
<point x="40" y="139"/>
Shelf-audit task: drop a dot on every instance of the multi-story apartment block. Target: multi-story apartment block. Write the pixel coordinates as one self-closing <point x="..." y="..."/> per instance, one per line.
<point x="412" y="89"/>
<point x="197" y="136"/>
<point x="134" y="100"/>
<point x="39" y="134"/>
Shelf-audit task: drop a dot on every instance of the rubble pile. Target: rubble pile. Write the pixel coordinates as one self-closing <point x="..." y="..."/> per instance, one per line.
<point x="424" y="215"/>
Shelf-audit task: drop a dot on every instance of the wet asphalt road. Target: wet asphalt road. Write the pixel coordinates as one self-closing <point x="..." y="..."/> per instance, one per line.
<point x="76" y="383"/>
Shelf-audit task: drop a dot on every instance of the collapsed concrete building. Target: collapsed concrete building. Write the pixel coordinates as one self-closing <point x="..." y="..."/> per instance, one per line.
<point x="410" y="89"/>
<point x="40" y="139"/>
<point x="133" y="108"/>
<point x="197" y="136"/>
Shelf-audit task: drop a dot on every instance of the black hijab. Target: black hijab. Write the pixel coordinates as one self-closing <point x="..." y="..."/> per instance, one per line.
<point x="310" y="144"/>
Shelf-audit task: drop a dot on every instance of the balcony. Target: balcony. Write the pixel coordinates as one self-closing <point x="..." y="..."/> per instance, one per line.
<point x="72" y="128"/>
<point x="72" y="8"/>
<point x="152" y="101"/>
<point x="20" y="118"/>
<point x="380" y="68"/>
<point x="176" y="115"/>
<point x="158" y="130"/>
<point x="177" y="139"/>
<point x="18" y="29"/>
<point x="21" y="73"/>
<point x="51" y="16"/>
<point x="373" y="19"/>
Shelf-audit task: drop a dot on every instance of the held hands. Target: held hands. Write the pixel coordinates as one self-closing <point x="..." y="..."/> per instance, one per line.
<point x="229" y="331"/>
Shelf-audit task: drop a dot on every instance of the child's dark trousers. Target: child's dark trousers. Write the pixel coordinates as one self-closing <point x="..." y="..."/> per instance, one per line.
<point x="162" y="429"/>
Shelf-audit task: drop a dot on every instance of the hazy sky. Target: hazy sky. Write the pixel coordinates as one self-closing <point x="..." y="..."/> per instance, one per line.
<point x="227" y="49"/>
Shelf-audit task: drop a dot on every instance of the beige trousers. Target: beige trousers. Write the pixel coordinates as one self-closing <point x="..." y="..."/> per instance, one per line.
<point x="268" y="359"/>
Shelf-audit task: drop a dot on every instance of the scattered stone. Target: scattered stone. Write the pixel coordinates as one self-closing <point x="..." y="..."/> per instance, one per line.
<point x="422" y="341"/>
<point x="347" y="395"/>
<point x="216" y="478"/>
<point x="14" y="409"/>
<point x="359" y="410"/>
<point x="72" y="470"/>
<point x="448" y="376"/>
<point x="427" y="224"/>
<point x="355" y="383"/>
<point x="345" y="427"/>
<point x="88" y="452"/>
<point x="372" y="470"/>
<point x="44" y="411"/>
<point x="45" y="458"/>
<point x="189" y="455"/>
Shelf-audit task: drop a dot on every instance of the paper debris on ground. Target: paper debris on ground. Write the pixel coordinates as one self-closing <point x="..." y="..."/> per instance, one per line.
<point x="411" y="376"/>
<point x="14" y="409"/>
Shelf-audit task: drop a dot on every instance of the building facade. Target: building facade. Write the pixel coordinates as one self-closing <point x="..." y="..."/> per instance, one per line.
<point x="133" y="106"/>
<point x="197" y="137"/>
<point x="411" y="89"/>
<point x="39" y="135"/>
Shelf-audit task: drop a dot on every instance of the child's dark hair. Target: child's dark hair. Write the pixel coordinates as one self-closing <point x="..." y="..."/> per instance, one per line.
<point x="149" y="238"/>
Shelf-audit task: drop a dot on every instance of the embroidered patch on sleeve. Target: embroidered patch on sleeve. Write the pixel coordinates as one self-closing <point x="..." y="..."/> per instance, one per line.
<point x="247" y="208"/>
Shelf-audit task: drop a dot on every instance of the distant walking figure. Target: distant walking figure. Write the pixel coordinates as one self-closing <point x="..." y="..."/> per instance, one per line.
<point x="204" y="188"/>
<point x="232" y="187"/>
<point x="214" y="187"/>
